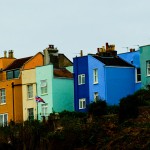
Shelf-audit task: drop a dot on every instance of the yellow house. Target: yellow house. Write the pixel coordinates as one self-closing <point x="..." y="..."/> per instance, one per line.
<point x="28" y="94"/>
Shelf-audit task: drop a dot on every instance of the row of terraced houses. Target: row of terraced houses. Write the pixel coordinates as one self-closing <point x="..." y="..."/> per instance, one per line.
<point x="66" y="85"/>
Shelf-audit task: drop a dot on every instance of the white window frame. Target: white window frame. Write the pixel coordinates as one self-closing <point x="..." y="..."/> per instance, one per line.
<point x="96" y="96"/>
<point x="95" y="76"/>
<point x="148" y="68"/>
<point x="44" y="108"/>
<point x="43" y="87"/>
<point x="3" y="123"/>
<point x="2" y="96"/>
<point x="81" y="79"/>
<point x="30" y="91"/>
<point x="137" y="75"/>
<point x="82" y="103"/>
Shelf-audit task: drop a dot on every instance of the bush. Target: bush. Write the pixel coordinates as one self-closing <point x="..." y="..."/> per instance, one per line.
<point x="129" y="105"/>
<point x="112" y="109"/>
<point x="98" y="108"/>
<point x="128" y="108"/>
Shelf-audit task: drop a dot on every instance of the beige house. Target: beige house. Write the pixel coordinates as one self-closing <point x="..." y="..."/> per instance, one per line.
<point x="28" y="94"/>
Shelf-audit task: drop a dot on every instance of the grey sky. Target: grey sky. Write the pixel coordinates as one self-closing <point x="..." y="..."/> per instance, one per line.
<point x="29" y="26"/>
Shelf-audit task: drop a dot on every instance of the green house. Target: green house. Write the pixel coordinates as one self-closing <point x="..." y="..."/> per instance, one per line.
<point x="145" y="65"/>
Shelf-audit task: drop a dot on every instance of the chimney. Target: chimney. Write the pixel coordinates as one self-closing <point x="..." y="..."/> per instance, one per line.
<point x="10" y="54"/>
<point x="51" y="46"/>
<point x="81" y="53"/>
<point x="5" y="54"/>
<point x="112" y="47"/>
<point x="132" y="50"/>
<point x="98" y="50"/>
<point x="107" y="47"/>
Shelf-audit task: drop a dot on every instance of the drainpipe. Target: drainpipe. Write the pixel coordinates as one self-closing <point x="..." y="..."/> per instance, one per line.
<point x="12" y="85"/>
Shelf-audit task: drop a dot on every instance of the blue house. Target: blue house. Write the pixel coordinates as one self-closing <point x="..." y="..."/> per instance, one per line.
<point x="102" y="76"/>
<point x="133" y="57"/>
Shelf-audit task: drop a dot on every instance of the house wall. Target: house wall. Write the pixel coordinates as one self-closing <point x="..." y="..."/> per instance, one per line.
<point x="120" y="82"/>
<point x="35" y="61"/>
<point x="4" y="62"/>
<point x="13" y="95"/>
<point x="134" y="59"/>
<point x="100" y="86"/>
<point x="28" y="77"/>
<point x="70" y="68"/>
<point x="45" y="73"/>
<point x="80" y="66"/>
<point x="144" y="56"/>
<point x="63" y="94"/>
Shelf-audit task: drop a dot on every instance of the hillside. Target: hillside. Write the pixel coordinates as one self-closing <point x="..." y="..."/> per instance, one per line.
<point x="73" y="131"/>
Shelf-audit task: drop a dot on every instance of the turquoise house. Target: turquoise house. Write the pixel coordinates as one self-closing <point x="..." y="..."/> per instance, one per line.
<point x="55" y="87"/>
<point x="145" y="65"/>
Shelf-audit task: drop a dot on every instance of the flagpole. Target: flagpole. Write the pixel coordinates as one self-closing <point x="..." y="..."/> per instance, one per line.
<point x="37" y="110"/>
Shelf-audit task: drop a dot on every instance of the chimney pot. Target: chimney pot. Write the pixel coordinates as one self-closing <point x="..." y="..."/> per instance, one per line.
<point x="5" y="54"/>
<point x="81" y="53"/>
<point x="10" y="54"/>
<point x="51" y="46"/>
<point x="107" y="46"/>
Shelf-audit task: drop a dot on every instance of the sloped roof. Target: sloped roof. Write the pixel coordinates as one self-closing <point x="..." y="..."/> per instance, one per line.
<point x="113" y="61"/>
<point x="18" y="63"/>
<point x="62" y="73"/>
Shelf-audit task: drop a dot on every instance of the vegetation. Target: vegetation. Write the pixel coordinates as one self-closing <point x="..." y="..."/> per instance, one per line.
<point x="129" y="105"/>
<point x="100" y="128"/>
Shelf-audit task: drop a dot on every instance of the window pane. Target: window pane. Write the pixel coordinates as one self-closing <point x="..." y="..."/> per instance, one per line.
<point x="30" y="114"/>
<point x="148" y="67"/>
<point x="43" y="87"/>
<point x="44" y="109"/>
<point x="83" y="79"/>
<point x="138" y="74"/>
<point x="95" y="75"/>
<point x="2" y="96"/>
<point x="9" y="74"/>
<point x="5" y="119"/>
<point x="16" y="73"/>
<point x="82" y="103"/>
<point x="30" y="91"/>
<point x="1" y="120"/>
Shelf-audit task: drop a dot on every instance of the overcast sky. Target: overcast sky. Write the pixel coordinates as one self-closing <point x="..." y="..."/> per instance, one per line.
<point x="29" y="26"/>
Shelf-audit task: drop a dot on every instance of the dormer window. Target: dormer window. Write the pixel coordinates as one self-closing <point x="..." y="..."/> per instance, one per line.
<point x="12" y="74"/>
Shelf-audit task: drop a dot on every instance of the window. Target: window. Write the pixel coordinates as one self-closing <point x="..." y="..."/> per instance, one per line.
<point x="30" y="91"/>
<point x="148" y="67"/>
<point x="9" y="74"/>
<point x="16" y="73"/>
<point x="82" y="103"/>
<point x="43" y="87"/>
<point x="96" y="96"/>
<point x="13" y="74"/>
<point x="3" y="119"/>
<point x="138" y="75"/>
<point x="30" y="114"/>
<point x="95" y="76"/>
<point x="44" y="110"/>
<point x="81" y="79"/>
<point x="2" y="96"/>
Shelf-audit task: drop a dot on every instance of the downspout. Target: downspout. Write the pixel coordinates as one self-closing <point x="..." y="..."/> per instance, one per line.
<point x="12" y="85"/>
<point x="105" y="83"/>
